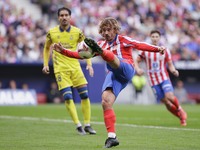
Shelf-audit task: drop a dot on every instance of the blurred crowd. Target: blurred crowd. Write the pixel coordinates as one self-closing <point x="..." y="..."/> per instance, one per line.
<point x="22" y="38"/>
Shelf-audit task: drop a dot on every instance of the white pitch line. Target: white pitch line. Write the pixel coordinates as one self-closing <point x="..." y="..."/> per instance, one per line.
<point x="99" y="123"/>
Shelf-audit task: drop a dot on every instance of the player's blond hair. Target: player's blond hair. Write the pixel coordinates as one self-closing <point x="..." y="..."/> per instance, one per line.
<point x="111" y="22"/>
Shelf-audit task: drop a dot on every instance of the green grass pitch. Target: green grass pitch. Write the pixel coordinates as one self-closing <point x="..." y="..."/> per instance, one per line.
<point x="139" y="127"/>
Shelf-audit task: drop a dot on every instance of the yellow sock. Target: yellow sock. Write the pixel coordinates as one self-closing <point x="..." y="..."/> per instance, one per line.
<point x="85" y="106"/>
<point x="72" y="110"/>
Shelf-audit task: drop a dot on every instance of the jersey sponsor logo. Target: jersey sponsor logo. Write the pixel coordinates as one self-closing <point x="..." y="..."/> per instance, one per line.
<point x="155" y="67"/>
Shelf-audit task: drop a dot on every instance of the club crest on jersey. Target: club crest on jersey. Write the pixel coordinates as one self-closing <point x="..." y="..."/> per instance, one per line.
<point x="71" y="37"/>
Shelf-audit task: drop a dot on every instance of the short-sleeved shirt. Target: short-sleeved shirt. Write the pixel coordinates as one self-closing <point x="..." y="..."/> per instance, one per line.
<point x="156" y="66"/>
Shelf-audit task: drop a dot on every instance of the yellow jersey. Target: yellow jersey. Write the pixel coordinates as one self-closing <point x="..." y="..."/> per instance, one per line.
<point x="69" y="39"/>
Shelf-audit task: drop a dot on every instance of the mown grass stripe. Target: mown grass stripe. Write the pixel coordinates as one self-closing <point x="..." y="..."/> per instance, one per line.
<point x="97" y="123"/>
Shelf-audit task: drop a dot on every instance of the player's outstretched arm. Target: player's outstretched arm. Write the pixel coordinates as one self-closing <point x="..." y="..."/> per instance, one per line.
<point x="148" y="47"/>
<point x="59" y="48"/>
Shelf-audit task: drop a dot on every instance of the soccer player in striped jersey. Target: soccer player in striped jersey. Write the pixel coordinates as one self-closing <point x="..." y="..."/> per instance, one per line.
<point x="159" y="78"/>
<point x="116" y="50"/>
<point x="68" y="72"/>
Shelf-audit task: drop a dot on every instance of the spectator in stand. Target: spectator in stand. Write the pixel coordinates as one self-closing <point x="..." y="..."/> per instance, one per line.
<point x="53" y="95"/>
<point x="12" y="54"/>
<point x="3" y="52"/>
<point x="12" y="85"/>
<point x="25" y="86"/>
<point x="181" y="93"/>
<point x="26" y="57"/>
<point x="193" y="48"/>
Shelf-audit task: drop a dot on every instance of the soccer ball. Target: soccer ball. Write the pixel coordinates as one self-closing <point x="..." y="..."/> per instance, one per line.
<point x="84" y="51"/>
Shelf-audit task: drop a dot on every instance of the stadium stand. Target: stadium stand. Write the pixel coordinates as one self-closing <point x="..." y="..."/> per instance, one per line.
<point x="23" y="26"/>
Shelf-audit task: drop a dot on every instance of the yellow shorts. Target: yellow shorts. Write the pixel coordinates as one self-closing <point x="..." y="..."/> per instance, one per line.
<point x="70" y="78"/>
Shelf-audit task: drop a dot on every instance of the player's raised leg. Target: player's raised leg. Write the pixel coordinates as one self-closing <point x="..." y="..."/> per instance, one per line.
<point x="93" y="45"/>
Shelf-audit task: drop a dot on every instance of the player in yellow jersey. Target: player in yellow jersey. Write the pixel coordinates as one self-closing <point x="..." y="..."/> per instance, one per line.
<point x="67" y="70"/>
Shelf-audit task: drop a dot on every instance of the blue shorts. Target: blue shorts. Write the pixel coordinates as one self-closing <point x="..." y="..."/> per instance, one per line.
<point x="117" y="79"/>
<point x="162" y="88"/>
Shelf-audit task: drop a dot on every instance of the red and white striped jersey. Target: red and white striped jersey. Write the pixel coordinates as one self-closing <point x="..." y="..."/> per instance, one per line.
<point x="156" y="66"/>
<point x="122" y="46"/>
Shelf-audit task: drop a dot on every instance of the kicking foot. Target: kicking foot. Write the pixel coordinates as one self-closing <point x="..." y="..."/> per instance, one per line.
<point x="93" y="45"/>
<point x="110" y="142"/>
